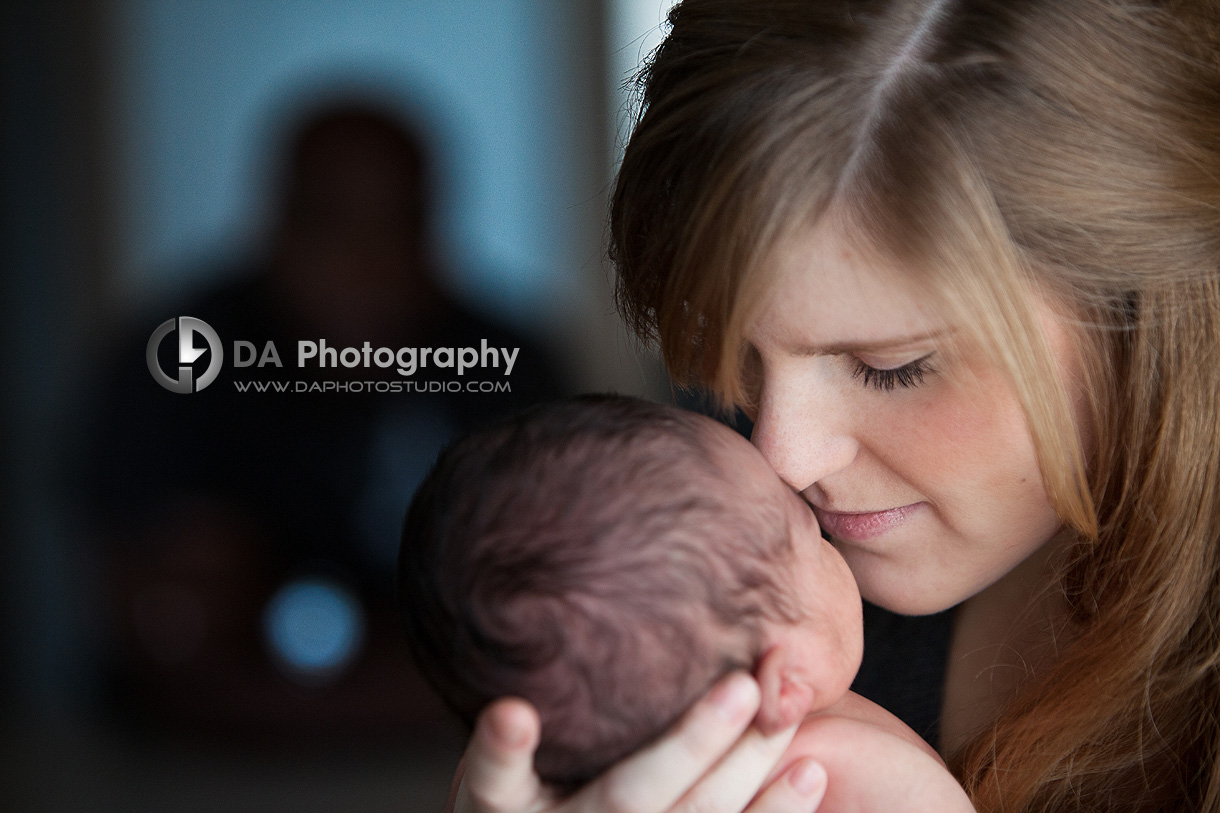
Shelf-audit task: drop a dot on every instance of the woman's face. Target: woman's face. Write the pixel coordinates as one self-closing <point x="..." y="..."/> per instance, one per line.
<point x="910" y="445"/>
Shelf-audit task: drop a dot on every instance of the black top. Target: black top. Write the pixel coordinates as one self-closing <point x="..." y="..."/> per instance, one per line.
<point x="904" y="666"/>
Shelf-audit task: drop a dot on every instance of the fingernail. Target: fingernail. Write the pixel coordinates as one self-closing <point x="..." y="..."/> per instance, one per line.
<point x="733" y="698"/>
<point x="808" y="778"/>
<point x="506" y="727"/>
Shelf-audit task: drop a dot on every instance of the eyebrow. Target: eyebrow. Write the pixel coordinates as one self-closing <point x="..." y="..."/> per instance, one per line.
<point x="840" y="348"/>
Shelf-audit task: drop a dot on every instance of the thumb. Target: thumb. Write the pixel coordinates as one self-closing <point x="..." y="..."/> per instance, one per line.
<point x="499" y="762"/>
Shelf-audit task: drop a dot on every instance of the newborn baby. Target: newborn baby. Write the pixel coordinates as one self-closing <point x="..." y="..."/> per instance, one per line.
<point x="609" y="559"/>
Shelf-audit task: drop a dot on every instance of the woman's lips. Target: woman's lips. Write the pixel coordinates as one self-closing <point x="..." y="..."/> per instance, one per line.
<point x="859" y="527"/>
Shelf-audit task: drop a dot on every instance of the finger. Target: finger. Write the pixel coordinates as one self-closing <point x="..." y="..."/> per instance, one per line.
<point x="659" y="775"/>
<point x="735" y="780"/>
<point x="455" y="785"/>
<point x="800" y="789"/>
<point x="499" y="762"/>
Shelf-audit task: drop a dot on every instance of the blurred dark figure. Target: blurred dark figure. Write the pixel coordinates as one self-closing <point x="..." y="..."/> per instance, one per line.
<point x="248" y="539"/>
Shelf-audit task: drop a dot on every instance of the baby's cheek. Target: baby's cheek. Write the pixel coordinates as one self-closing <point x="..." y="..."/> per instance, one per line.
<point x="847" y="616"/>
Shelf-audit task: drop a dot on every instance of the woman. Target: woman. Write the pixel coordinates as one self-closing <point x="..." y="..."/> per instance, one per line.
<point x="960" y="261"/>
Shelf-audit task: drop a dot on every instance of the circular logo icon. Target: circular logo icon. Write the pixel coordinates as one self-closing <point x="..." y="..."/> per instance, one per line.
<point x="187" y="327"/>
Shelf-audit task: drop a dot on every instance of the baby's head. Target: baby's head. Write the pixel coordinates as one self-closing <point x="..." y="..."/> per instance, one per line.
<point x="608" y="559"/>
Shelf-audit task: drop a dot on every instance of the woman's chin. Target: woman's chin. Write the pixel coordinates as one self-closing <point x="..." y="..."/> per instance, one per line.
<point x="902" y="590"/>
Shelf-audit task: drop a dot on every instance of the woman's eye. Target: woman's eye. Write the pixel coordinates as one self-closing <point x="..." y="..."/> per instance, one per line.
<point x="908" y="375"/>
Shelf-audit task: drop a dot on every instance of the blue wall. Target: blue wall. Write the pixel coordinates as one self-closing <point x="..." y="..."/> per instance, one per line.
<point x="196" y="80"/>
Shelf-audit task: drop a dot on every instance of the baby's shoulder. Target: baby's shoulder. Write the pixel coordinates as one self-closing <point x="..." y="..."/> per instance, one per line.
<point x="860" y="709"/>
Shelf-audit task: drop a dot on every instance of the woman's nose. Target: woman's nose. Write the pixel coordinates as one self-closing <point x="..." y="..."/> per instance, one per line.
<point x="804" y="438"/>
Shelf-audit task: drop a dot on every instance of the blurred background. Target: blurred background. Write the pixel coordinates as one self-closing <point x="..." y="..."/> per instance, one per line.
<point x="198" y="589"/>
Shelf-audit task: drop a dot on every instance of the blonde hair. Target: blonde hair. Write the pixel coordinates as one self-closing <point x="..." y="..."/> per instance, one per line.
<point x="1068" y="149"/>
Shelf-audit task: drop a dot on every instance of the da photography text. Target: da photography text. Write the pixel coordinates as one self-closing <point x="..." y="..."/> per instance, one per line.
<point x="406" y="361"/>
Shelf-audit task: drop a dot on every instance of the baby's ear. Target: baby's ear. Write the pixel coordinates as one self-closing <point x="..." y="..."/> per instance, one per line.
<point x="787" y="695"/>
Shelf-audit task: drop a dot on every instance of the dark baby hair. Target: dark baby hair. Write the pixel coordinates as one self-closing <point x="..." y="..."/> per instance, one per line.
<point x="592" y="557"/>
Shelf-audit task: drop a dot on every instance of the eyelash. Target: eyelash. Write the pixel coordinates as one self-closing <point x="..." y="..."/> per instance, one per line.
<point x="908" y="375"/>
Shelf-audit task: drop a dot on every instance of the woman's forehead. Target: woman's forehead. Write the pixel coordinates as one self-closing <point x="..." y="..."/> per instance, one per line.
<point x="827" y="294"/>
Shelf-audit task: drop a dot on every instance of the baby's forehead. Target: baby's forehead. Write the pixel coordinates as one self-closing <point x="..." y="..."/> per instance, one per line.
<point x="739" y="462"/>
